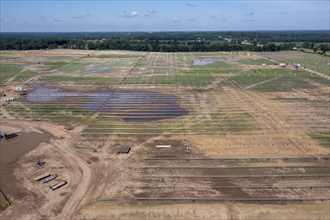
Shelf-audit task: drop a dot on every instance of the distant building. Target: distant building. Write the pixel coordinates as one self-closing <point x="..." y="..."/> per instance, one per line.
<point x="297" y="65"/>
<point x="295" y="48"/>
<point x="282" y="65"/>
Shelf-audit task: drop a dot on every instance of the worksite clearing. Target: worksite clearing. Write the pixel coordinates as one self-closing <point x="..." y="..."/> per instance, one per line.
<point x="150" y="135"/>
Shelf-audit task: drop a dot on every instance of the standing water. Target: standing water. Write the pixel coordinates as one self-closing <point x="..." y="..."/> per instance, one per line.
<point x="129" y="105"/>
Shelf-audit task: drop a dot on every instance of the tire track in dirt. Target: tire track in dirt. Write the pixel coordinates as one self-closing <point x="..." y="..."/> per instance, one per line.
<point x="260" y="83"/>
<point x="268" y="113"/>
<point x="80" y="175"/>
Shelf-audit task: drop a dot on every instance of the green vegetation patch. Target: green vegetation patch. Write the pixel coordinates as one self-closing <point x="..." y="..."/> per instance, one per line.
<point x="65" y="66"/>
<point x="221" y="122"/>
<point x="194" y="80"/>
<point x="56" y="64"/>
<point x="104" y="56"/>
<point x="66" y="116"/>
<point x="283" y="84"/>
<point x="291" y="99"/>
<point x="274" y="80"/>
<point x="72" y="67"/>
<point x="59" y="58"/>
<point x="186" y="80"/>
<point x="151" y="80"/>
<point x="80" y="80"/>
<point x="212" y="71"/>
<point x="122" y="62"/>
<point x="322" y="138"/>
<point x="314" y="62"/>
<point x="8" y="70"/>
<point x="317" y="79"/>
<point x="25" y="75"/>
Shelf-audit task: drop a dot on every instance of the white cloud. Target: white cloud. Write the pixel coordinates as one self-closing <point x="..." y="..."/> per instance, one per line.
<point x="175" y="19"/>
<point x="191" y="19"/>
<point x="131" y="14"/>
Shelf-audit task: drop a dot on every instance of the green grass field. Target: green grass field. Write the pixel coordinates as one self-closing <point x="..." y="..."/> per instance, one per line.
<point x="59" y="114"/>
<point x="311" y="61"/>
<point x="322" y="138"/>
<point x="72" y="67"/>
<point x="67" y="67"/>
<point x="56" y="64"/>
<point x="184" y="80"/>
<point x="25" y="75"/>
<point x="196" y="87"/>
<point x="51" y="80"/>
<point x="8" y="70"/>
<point x="279" y="80"/>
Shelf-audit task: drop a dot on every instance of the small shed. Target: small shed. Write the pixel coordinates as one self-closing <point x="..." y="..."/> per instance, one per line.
<point x="297" y="65"/>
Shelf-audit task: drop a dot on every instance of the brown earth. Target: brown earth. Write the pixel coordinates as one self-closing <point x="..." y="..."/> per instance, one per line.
<point x="103" y="184"/>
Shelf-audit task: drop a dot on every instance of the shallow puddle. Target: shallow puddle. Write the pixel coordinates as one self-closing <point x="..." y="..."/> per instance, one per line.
<point x="129" y="105"/>
<point x="12" y="149"/>
<point x="206" y="61"/>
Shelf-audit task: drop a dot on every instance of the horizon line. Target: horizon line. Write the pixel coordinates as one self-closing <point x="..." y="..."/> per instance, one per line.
<point x="169" y="31"/>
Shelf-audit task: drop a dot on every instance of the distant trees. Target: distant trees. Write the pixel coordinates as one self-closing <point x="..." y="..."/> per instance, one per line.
<point x="167" y="41"/>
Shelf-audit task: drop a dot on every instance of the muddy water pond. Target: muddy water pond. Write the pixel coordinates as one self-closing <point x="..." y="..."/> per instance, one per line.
<point x="10" y="152"/>
<point x="12" y="149"/>
<point x="206" y="61"/>
<point x="129" y="105"/>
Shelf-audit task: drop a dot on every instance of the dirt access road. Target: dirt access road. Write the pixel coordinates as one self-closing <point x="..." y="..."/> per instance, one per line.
<point x="80" y="172"/>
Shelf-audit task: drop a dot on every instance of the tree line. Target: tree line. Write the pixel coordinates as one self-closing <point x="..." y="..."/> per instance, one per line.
<point x="168" y="41"/>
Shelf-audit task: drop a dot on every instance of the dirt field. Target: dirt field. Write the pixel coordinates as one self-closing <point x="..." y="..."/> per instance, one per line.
<point x="249" y="140"/>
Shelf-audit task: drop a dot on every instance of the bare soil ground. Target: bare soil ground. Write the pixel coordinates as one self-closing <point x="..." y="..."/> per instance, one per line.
<point x="207" y="211"/>
<point x="274" y="170"/>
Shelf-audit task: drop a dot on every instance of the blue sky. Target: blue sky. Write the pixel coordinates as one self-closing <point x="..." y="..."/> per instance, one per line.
<point x="136" y="15"/>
